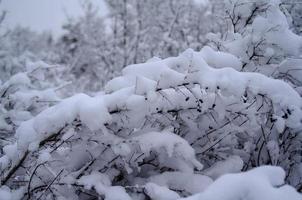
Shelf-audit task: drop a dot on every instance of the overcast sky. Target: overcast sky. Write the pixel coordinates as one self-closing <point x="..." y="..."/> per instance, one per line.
<point x="41" y="15"/>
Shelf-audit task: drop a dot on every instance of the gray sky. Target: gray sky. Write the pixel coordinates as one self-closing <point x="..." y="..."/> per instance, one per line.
<point x="41" y="15"/>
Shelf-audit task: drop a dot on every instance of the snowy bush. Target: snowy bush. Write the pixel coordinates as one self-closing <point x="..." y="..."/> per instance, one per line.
<point x="261" y="36"/>
<point x="221" y="121"/>
<point x="27" y="84"/>
<point x="27" y="93"/>
<point x="165" y="127"/>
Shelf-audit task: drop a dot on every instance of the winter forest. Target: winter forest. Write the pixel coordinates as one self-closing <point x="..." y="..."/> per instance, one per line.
<point x="156" y="100"/>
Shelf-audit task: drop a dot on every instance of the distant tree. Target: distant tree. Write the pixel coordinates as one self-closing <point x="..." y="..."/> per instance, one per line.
<point x="132" y="32"/>
<point x="84" y="48"/>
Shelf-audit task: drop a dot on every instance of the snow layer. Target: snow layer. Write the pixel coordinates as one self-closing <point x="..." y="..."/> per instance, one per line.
<point x="220" y="59"/>
<point x="91" y="111"/>
<point x="157" y="192"/>
<point x="173" y="145"/>
<point x="260" y="183"/>
<point x="191" y="183"/>
<point x="231" y="165"/>
<point x="102" y="185"/>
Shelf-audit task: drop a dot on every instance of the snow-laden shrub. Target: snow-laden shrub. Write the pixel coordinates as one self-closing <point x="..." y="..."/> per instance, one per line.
<point x="260" y="35"/>
<point x="165" y="127"/>
<point x="27" y="84"/>
<point x="25" y="94"/>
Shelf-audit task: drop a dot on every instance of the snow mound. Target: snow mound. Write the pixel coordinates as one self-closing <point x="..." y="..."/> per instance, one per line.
<point x="260" y="183"/>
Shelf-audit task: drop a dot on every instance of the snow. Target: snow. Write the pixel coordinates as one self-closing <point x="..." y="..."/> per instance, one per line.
<point x="273" y="150"/>
<point x="157" y="192"/>
<point x="291" y="70"/>
<point x="114" y="193"/>
<point x="44" y="156"/>
<point x="220" y="59"/>
<point x="17" y="79"/>
<point x="90" y="110"/>
<point x="182" y="181"/>
<point x="201" y="72"/>
<point x="69" y="133"/>
<point x="102" y="185"/>
<point x="264" y="182"/>
<point x="172" y="144"/>
<point x="233" y="164"/>
<point x="5" y="193"/>
<point x="8" y="194"/>
<point x="145" y="89"/>
<point x="94" y="179"/>
<point x="93" y="113"/>
<point x="280" y="124"/>
<point x="144" y="85"/>
<point x="26" y="98"/>
<point x="226" y="78"/>
<point x="4" y="125"/>
<point x="193" y="126"/>
<point x="202" y="2"/>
